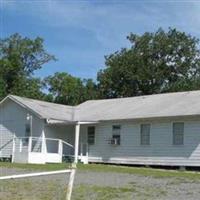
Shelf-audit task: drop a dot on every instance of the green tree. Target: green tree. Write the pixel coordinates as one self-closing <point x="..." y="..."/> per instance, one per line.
<point x="19" y="58"/>
<point x="156" y="62"/>
<point x="65" y="88"/>
<point x="90" y="89"/>
<point x="29" y="87"/>
<point x="69" y="90"/>
<point x="2" y="88"/>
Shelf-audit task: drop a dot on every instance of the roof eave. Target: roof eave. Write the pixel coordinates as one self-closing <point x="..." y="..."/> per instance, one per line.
<point x="22" y="105"/>
<point x="152" y="118"/>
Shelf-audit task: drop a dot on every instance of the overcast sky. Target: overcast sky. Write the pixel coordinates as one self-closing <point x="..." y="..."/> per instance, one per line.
<point x="80" y="33"/>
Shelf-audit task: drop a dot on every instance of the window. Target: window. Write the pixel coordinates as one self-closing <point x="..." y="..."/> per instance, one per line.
<point x="178" y="133"/>
<point x="116" y="130"/>
<point x="27" y="134"/>
<point x="145" y="134"/>
<point x="91" y="135"/>
<point x="27" y="130"/>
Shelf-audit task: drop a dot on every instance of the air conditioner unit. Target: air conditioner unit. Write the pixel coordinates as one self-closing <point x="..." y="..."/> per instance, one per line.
<point x="114" y="141"/>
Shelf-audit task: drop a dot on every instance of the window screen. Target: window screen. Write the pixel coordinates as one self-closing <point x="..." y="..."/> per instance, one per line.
<point x="91" y="135"/>
<point x="178" y="133"/>
<point x="145" y="134"/>
<point x="116" y="131"/>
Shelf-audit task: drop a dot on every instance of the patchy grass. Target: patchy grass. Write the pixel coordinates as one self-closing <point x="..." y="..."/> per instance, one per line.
<point x="46" y="167"/>
<point x="156" y="173"/>
<point x="51" y="190"/>
<point x="31" y="190"/>
<point x="102" y="193"/>
<point x="54" y="187"/>
<point x="114" y="193"/>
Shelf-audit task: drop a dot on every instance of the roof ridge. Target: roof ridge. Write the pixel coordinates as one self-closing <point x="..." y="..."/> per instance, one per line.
<point x="111" y="99"/>
<point x="142" y="96"/>
<point x="59" y="108"/>
<point x="15" y="96"/>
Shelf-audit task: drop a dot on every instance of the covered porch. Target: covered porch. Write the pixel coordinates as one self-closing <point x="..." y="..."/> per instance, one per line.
<point x="54" y="145"/>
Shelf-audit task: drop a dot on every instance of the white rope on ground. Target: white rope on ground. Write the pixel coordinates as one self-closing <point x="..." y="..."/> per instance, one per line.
<point x="35" y="174"/>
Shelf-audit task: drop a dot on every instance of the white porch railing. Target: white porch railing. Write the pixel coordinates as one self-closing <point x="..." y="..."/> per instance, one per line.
<point x="44" y="150"/>
<point x="26" y="149"/>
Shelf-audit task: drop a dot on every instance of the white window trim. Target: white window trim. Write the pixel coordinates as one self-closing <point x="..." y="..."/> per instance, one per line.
<point x="172" y="134"/>
<point x="94" y="134"/>
<point x="140" y="130"/>
<point x="120" y="134"/>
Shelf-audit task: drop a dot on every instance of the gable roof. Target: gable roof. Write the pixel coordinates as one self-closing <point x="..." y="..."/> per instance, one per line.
<point x="142" y="107"/>
<point x="150" y="106"/>
<point x="45" y="109"/>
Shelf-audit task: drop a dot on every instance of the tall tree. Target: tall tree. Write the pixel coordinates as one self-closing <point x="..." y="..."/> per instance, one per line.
<point x="156" y="62"/>
<point x="19" y="58"/>
<point x="69" y="90"/>
<point x="29" y="87"/>
<point x="65" y="88"/>
<point x="90" y="89"/>
<point x="2" y="88"/>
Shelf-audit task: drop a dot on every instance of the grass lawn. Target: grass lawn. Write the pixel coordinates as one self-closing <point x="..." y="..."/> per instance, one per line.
<point x="50" y="188"/>
<point x="157" y="173"/>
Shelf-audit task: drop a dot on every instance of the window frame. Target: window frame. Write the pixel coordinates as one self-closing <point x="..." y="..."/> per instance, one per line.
<point x="27" y="130"/>
<point x="94" y="142"/>
<point x="173" y="137"/>
<point x="141" y="140"/>
<point x="114" y="135"/>
<point x="27" y="133"/>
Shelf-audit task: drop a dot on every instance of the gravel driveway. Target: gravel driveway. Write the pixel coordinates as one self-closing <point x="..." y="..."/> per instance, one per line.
<point x="99" y="186"/>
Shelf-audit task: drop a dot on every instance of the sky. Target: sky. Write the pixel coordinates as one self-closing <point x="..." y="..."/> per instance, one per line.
<point x="81" y="33"/>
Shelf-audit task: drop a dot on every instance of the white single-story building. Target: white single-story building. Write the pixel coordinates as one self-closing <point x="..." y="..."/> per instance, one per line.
<point x="161" y="129"/>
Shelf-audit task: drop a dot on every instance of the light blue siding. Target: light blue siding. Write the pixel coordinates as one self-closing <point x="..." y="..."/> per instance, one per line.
<point x="160" y="151"/>
<point x="13" y="118"/>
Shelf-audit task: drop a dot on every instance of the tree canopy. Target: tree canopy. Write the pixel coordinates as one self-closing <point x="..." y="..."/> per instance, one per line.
<point x="156" y="62"/>
<point x="19" y="58"/>
<point x="66" y="89"/>
<point x="164" y="61"/>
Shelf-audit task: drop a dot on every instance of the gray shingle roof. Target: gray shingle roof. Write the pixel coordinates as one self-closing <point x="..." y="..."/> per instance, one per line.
<point x="151" y="106"/>
<point x="46" y="110"/>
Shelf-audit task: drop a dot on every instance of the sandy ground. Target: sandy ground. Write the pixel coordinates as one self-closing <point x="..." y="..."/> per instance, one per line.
<point x="98" y="186"/>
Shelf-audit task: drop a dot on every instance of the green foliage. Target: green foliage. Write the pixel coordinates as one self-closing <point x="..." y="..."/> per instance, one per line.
<point x="164" y="61"/>
<point x="69" y="90"/>
<point x="29" y="87"/>
<point x="156" y="62"/>
<point x="19" y="58"/>
<point x="2" y="88"/>
<point x="65" y="88"/>
<point x="90" y="89"/>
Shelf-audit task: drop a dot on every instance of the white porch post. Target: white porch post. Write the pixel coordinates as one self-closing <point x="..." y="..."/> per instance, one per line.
<point x="77" y="133"/>
<point x="60" y="148"/>
<point x="13" y="150"/>
<point x="29" y="144"/>
<point x="43" y="142"/>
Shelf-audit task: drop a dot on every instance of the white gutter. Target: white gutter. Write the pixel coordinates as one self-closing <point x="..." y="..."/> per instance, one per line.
<point x="59" y="121"/>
